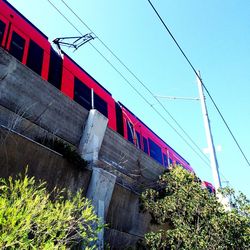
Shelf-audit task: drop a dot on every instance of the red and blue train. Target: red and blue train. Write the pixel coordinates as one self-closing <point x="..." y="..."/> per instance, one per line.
<point x="30" y="46"/>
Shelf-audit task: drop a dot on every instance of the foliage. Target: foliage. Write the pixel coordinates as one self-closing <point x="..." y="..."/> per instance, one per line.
<point x="65" y="149"/>
<point x="193" y="216"/>
<point x="30" y="219"/>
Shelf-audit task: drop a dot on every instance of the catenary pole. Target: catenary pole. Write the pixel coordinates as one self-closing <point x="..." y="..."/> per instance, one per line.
<point x="212" y="153"/>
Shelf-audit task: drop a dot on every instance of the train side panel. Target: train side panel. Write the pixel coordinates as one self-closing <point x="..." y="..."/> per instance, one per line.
<point x="141" y="136"/>
<point x="77" y="84"/>
<point x="23" y="40"/>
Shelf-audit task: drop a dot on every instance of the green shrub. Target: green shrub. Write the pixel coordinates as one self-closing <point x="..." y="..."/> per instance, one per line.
<point x="30" y="219"/>
<point x="190" y="218"/>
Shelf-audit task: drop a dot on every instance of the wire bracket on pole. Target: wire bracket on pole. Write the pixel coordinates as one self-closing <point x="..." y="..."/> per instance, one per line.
<point x="178" y="98"/>
<point x="73" y="42"/>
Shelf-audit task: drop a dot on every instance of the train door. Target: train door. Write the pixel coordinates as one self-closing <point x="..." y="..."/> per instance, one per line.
<point x="4" y="25"/>
<point x="17" y="44"/>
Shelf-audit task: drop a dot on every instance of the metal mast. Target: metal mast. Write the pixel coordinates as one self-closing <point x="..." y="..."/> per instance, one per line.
<point x="213" y="159"/>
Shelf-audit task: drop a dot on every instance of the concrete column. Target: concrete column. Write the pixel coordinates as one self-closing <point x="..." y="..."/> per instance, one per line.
<point x="93" y="135"/>
<point x="101" y="188"/>
<point x="100" y="191"/>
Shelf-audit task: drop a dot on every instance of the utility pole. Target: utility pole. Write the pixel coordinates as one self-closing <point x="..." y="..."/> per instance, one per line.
<point x="213" y="159"/>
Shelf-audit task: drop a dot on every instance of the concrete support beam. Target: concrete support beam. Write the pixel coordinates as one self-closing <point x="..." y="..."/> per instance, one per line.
<point x="93" y="135"/>
<point x="100" y="191"/>
<point x="101" y="188"/>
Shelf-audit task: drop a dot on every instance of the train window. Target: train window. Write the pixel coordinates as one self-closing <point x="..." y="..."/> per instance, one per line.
<point x="210" y="190"/>
<point x="35" y="57"/>
<point x="119" y="119"/>
<point x="17" y="46"/>
<point x="2" y="28"/>
<point x="82" y="94"/>
<point x="138" y="138"/>
<point x="145" y="145"/>
<point x="130" y="132"/>
<point x="170" y="161"/>
<point x="100" y="105"/>
<point x="165" y="160"/>
<point x="55" y="69"/>
<point x="155" y="151"/>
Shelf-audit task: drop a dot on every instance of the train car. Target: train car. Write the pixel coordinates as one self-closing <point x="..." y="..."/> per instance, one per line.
<point x="30" y="46"/>
<point x="145" y="139"/>
<point x="209" y="186"/>
<point x="78" y="85"/>
<point x="23" y="40"/>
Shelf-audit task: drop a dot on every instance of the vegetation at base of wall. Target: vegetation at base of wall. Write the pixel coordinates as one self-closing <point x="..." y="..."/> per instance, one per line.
<point x="30" y="219"/>
<point x="192" y="218"/>
<point x="68" y="152"/>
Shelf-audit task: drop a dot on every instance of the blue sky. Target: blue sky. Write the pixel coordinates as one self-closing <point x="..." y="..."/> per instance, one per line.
<point x="214" y="35"/>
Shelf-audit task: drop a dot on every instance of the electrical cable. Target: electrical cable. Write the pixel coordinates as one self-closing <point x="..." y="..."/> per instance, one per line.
<point x="191" y="65"/>
<point x="130" y="71"/>
<point x="136" y="77"/>
<point x="126" y="67"/>
<point x="128" y="81"/>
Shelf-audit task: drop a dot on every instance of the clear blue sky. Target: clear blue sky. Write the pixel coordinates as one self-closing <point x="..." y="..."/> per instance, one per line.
<point x="215" y="36"/>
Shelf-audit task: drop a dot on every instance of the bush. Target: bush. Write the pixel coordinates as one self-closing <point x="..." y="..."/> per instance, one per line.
<point x="30" y="219"/>
<point x="189" y="217"/>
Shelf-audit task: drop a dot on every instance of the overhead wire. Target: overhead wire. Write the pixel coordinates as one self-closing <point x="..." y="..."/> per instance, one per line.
<point x="133" y="74"/>
<point x="130" y="71"/>
<point x="127" y="81"/>
<point x="143" y="84"/>
<point x="136" y="77"/>
<point x="197" y="75"/>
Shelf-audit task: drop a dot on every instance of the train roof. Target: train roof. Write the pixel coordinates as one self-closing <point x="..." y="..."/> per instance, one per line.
<point x="153" y="132"/>
<point x="27" y="20"/>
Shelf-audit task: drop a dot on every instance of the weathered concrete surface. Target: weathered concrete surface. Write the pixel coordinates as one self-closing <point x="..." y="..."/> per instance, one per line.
<point x="24" y="92"/>
<point x="127" y="224"/>
<point x="100" y="191"/>
<point x="101" y="188"/>
<point x="136" y="169"/>
<point x="18" y="152"/>
<point x="120" y="240"/>
<point x="93" y="135"/>
<point x="124" y="214"/>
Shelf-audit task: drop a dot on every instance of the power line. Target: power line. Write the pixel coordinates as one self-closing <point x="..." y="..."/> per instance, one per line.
<point x="130" y="71"/>
<point x="192" y="67"/>
<point x="129" y="83"/>
<point x="121" y="62"/>
<point x="123" y="76"/>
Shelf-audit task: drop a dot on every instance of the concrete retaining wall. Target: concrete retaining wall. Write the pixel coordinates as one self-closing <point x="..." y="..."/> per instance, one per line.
<point x="18" y="152"/>
<point x="33" y="107"/>
<point x="23" y="92"/>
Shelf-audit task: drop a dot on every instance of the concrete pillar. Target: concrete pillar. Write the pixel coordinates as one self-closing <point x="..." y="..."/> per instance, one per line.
<point x="93" y="135"/>
<point x="100" y="191"/>
<point x="101" y="188"/>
